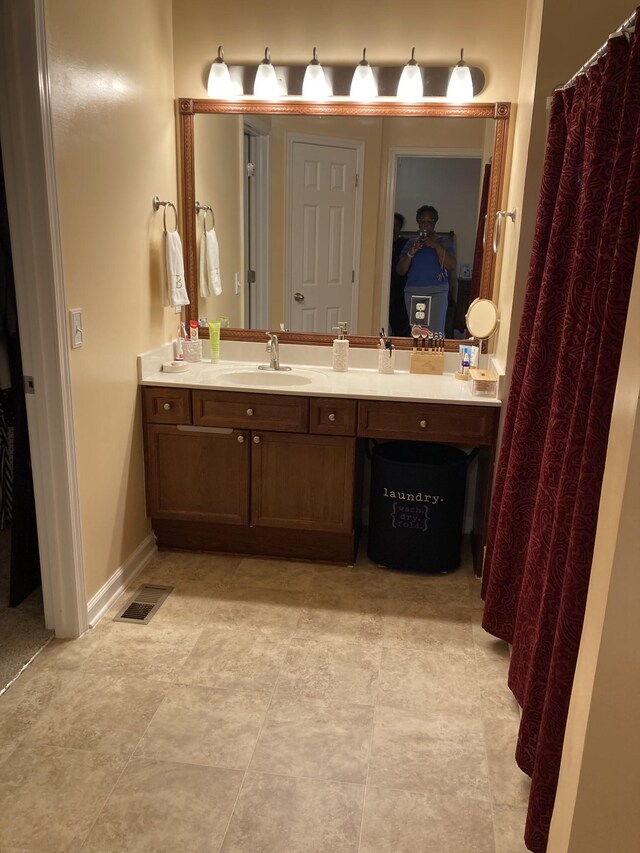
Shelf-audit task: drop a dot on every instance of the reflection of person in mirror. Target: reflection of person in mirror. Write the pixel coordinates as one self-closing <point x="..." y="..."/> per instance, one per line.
<point x="398" y="317"/>
<point x="426" y="261"/>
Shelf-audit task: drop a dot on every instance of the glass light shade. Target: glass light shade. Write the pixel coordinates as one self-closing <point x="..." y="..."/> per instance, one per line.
<point x="314" y="85"/>
<point x="219" y="82"/>
<point x="460" y="88"/>
<point x="266" y="83"/>
<point x="410" y="85"/>
<point x="363" y="85"/>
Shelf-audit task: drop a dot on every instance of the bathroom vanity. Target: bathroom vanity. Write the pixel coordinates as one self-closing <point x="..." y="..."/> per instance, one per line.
<point x="278" y="471"/>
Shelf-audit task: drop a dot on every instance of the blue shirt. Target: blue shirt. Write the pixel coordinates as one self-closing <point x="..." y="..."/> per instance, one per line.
<point x="425" y="269"/>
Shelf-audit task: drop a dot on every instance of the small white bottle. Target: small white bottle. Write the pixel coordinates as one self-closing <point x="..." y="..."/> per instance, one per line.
<point x="341" y="349"/>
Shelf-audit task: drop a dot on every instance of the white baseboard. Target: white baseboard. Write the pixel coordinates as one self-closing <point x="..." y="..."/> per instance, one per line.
<point x="120" y="580"/>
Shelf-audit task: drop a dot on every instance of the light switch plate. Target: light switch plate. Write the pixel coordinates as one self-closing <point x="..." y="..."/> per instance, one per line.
<point x="75" y="322"/>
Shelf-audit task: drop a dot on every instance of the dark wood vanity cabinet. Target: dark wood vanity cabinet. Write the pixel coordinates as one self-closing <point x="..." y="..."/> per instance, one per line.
<point x="246" y="475"/>
<point x="279" y="475"/>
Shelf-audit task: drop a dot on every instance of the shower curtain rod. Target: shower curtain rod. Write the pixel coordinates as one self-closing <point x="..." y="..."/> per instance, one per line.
<point x="625" y="29"/>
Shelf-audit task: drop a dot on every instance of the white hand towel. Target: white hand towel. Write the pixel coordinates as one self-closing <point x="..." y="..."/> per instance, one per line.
<point x="176" y="290"/>
<point x="210" y="283"/>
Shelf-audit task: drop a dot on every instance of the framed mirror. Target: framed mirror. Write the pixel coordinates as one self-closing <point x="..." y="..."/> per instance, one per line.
<point x="233" y="149"/>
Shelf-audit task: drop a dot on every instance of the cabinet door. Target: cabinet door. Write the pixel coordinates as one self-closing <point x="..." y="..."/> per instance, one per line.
<point x="302" y="481"/>
<point x="198" y="475"/>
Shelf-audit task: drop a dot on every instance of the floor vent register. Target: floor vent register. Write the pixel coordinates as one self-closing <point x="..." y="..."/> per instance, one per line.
<point x="144" y="605"/>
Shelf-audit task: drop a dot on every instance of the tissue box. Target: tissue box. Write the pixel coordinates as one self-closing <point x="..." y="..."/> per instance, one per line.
<point x="484" y="383"/>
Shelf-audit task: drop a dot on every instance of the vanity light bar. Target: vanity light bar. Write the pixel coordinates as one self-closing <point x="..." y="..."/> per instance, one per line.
<point x="339" y="78"/>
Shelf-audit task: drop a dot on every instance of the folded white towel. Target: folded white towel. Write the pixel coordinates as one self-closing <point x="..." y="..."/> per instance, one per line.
<point x="176" y="290"/>
<point x="210" y="283"/>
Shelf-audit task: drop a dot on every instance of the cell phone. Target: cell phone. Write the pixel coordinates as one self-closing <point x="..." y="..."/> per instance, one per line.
<point x="423" y="233"/>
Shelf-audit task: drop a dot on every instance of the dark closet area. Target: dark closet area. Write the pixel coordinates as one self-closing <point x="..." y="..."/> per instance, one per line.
<point x="19" y="559"/>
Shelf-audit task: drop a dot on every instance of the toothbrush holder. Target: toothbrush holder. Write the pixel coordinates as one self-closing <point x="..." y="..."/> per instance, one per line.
<point x="386" y="360"/>
<point x="192" y="350"/>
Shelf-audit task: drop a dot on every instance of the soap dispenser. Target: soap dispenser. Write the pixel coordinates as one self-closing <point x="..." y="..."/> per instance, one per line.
<point x="341" y="348"/>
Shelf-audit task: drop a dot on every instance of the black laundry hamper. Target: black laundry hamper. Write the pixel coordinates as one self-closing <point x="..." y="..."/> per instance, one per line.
<point x="416" y="505"/>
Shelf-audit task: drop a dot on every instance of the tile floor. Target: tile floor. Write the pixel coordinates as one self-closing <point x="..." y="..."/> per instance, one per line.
<point x="269" y="707"/>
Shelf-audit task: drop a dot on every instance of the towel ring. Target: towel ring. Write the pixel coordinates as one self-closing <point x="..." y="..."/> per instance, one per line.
<point x="156" y="206"/>
<point x="207" y="209"/>
<point x="171" y="205"/>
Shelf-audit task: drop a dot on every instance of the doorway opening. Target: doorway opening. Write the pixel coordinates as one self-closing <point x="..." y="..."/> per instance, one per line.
<point x="22" y="622"/>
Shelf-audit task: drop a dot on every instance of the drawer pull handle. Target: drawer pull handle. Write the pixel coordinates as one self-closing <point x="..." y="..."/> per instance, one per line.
<point x="256" y="439"/>
<point x="167" y="407"/>
<point x="240" y="439"/>
<point x="423" y="424"/>
<point x="332" y="417"/>
<point x="250" y="412"/>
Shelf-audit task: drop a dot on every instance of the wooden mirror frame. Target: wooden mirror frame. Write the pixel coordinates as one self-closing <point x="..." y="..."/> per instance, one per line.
<point x="188" y="108"/>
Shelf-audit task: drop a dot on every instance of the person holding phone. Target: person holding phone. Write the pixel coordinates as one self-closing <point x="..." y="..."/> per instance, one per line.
<point x="426" y="260"/>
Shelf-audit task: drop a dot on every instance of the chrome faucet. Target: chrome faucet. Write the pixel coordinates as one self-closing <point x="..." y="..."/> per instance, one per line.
<point x="273" y="348"/>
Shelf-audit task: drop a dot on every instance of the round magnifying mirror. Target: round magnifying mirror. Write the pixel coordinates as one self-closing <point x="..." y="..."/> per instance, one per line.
<point x="482" y="318"/>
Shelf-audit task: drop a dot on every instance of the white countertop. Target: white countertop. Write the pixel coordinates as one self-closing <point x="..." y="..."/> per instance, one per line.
<point x="311" y="365"/>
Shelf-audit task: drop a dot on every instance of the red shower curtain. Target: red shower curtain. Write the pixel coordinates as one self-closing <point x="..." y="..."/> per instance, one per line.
<point x="545" y="505"/>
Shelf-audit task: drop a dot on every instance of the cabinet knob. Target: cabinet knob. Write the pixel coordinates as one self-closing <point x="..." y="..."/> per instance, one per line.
<point x="423" y="424"/>
<point x="240" y="439"/>
<point x="250" y="412"/>
<point x="332" y="417"/>
<point x="256" y="439"/>
<point x="167" y="407"/>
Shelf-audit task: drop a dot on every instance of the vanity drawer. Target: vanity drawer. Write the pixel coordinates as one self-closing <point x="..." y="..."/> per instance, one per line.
<point x="251" y="411"/>
<point x="427" y="422"/>
<point x="332" y="416"/>
<point x="166" y="405"/>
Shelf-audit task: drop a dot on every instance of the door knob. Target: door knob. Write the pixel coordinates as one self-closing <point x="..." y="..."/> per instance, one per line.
<point x="423" y="424"/>
<point x="240" y="439"/>
<point x="250" y="412"/>
<point x="299" y="297"/>
<point x="256" y="439"/>
<point x="167" y="407"/>
<point x="332" y="417"/>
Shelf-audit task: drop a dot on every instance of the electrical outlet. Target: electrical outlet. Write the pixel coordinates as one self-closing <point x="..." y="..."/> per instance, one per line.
<point x="77" y="334"/>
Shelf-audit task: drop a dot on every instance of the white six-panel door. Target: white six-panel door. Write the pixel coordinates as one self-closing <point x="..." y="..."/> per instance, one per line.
<point x="322" y="257"/>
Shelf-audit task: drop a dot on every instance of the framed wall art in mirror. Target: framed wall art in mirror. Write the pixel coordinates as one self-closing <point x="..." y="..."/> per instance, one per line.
<point x="249" y="161"/>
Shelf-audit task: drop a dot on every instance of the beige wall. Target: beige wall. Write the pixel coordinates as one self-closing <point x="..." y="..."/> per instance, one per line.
<point x="490" y="32"/>
<point x="114" y="137"/>
<point x="219" y="183"/>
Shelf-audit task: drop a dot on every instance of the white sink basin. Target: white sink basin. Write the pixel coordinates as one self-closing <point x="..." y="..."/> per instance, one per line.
<point x="264" y="378"/>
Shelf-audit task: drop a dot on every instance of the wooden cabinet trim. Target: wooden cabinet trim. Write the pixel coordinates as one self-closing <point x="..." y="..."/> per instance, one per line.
<point x="333" y="416"/>
<point x="439" y="422"/>
<point x="255" y="410"/>
<point x="166" y="405"/>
